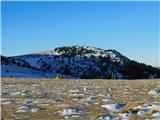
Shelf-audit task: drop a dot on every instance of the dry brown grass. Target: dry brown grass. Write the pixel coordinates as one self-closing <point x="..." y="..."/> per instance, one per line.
<point x="131" y="92"/>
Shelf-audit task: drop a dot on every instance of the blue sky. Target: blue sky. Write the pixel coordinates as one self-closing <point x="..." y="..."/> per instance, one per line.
<point x="128" y="27"/>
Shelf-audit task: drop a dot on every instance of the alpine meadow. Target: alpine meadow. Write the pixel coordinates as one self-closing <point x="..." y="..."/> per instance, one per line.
<point x="80" y="60"/>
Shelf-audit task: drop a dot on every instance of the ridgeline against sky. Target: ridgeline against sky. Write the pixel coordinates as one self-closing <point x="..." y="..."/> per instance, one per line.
<point x="129" y="27"/>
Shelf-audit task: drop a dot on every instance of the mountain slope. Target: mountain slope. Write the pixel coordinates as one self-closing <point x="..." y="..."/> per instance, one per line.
<point x="79" y="62"/>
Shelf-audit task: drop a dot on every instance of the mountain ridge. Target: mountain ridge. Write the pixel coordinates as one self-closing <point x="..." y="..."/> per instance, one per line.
<point x="78" y="61"/>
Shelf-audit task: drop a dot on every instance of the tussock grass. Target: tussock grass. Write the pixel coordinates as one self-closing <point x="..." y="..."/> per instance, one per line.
<point x="131" y="92"/>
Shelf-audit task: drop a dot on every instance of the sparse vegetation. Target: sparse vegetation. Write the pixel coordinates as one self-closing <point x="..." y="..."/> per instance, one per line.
<point x="48" y="99"/>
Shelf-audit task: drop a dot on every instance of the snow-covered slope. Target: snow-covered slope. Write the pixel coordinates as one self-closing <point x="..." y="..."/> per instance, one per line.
<point x="77" y="62"/>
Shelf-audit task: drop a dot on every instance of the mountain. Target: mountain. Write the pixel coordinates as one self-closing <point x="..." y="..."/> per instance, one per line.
<point x="158" y="67"/>
<point x="76" y="62"/>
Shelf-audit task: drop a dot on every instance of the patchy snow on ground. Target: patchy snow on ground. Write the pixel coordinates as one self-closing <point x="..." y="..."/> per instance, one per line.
<point x="106" y="117"/>
<point x="79" y="99"/>
<point x="113" y="107"/>
<point x="154" y="92"/>
<point x="148" y="109"/>
<point x="71" y="112"/>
